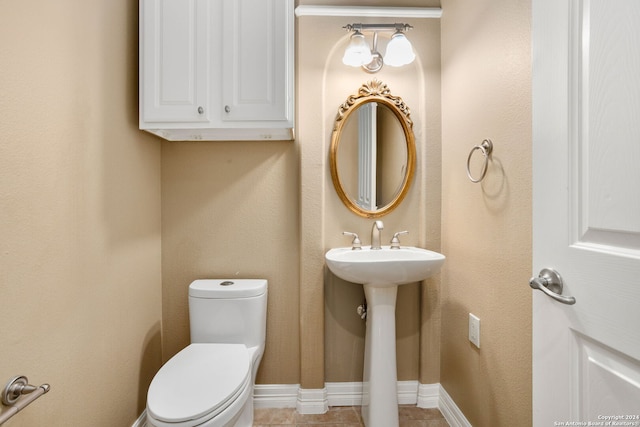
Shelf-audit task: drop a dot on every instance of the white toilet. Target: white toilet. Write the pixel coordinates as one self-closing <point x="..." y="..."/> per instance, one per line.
<point x="210" y="382"/>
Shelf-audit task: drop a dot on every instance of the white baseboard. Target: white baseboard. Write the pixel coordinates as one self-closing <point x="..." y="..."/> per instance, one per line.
<point x="317" y="401"/>
<point x="344" y="394"/>
<point x="275" y="395"/>
<point x="350" y="393"/>
<point x="428" y="395"/>
<point x="312" y="401"/>
<point x="450" y="410"/>
<point x="142" y="420"/>
<point x="408" y="392"/>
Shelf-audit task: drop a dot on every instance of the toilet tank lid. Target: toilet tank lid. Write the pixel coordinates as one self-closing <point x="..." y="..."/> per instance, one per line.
<point x="227" y="288"/>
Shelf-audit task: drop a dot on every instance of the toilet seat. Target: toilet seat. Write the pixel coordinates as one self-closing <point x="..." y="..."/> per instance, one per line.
<point x="198" y="383"/>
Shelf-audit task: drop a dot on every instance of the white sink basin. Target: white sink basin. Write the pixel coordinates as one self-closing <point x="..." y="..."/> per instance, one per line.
<point x="384" y="267"/>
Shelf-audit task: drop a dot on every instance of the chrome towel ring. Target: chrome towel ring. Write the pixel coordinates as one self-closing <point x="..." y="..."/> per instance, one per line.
<point x="485" y="148"/>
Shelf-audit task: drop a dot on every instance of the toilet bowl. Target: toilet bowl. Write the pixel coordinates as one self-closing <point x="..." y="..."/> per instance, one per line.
<point x="210" y="382"/>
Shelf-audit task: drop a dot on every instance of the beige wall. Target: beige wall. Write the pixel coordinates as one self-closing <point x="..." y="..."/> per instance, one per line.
<point x="80" y="190"/>
<point x="486" y="228"/>
<point x="230" y="210"/>
<point x="80" y="294"/>
<point x="323" y="84"/>
<point x="268" y="209"/>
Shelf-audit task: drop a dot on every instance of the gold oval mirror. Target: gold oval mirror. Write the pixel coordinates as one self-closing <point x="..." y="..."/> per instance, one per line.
<point x="372" y="154"/>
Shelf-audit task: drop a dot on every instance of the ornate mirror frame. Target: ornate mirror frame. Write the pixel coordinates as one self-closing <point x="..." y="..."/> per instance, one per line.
<point x="373" y="91"/>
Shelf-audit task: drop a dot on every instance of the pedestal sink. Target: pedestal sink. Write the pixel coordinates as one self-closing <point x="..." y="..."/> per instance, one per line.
<point x="380" y="271"/>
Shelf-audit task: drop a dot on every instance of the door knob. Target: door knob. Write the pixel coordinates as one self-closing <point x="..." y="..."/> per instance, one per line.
<point x="550" y="282"/>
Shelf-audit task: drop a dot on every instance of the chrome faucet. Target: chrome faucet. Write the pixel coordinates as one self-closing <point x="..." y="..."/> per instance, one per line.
<point x="375" y="234"/>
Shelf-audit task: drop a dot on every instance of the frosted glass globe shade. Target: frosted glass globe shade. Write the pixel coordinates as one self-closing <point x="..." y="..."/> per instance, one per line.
<point x="358" y="52"/>
<point x="399" y="51"/>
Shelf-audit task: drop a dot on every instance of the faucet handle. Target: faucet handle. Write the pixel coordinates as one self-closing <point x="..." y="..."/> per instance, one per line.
<point x="395" y="241"/>
<point x="356" y="244"/>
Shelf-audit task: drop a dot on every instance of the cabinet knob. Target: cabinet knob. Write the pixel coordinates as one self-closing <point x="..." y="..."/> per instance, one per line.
<point x="227" y="109"/>
<point x="200" y="110"/>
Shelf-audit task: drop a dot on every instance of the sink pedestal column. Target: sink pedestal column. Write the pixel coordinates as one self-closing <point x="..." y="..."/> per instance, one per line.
<point x="380" y="394"/>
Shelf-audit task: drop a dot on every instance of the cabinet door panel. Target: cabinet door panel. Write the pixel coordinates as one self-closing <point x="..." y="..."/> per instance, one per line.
<point x="257" y="51"/>
<point x="175" y="64"/>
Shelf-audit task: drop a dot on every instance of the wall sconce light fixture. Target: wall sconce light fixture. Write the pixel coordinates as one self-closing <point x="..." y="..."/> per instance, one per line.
<point x="358" y="54"/>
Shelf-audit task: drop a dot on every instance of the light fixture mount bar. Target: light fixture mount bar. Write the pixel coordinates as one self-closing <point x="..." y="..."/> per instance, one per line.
<point x="378" y="27"/>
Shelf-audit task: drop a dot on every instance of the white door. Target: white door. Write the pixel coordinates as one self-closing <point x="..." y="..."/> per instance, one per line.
<point x="586" y="211"/>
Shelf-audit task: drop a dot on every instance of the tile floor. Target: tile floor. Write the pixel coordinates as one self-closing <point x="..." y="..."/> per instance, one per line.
<point x="345" y="416"/>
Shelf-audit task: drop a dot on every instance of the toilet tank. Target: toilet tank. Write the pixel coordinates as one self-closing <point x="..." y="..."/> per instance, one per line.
<point x="232" y="311"/>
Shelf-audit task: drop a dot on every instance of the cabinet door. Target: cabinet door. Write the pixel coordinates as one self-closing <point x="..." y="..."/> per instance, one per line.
<point x="175" y="61"/>
<point x="257" y="60"/>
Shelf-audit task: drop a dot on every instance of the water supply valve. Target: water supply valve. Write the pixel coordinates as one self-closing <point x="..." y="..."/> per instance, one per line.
<point x="362" y="310"/>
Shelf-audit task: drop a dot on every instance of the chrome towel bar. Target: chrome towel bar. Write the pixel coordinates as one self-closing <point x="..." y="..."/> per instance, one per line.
<point x="12" y="393"/>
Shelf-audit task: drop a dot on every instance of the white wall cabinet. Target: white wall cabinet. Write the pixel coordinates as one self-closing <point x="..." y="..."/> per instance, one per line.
<point x="217" y="69"/>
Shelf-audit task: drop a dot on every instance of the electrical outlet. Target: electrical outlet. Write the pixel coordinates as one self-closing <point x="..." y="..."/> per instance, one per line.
<point x="474" y="330"/>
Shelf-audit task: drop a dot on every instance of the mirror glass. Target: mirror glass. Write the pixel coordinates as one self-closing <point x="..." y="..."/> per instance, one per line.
<point x="372" y="151"/>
